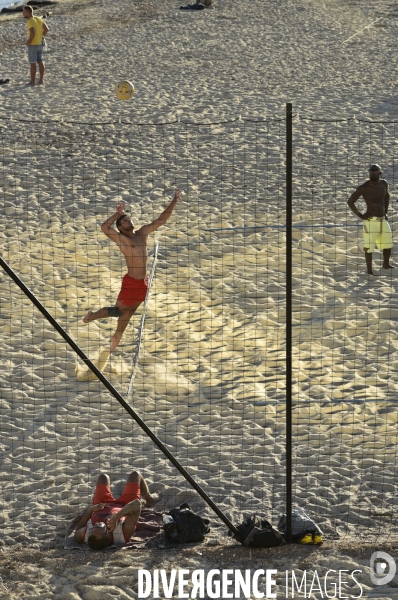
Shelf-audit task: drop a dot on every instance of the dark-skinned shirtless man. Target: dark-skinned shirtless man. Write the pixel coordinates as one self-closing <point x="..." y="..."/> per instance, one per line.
<point x="376" y="230"/>
<point x="133" y="245"/>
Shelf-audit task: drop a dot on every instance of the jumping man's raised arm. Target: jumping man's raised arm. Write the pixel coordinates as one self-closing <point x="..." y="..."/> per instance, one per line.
<point x="107" y="228"/>
<point x="161" y="220"/>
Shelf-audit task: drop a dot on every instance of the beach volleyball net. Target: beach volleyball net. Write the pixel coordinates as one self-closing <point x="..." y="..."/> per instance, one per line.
<point x="204" y="363"/>
<point x="209" y="380"/>
<point x="344" y="348"/>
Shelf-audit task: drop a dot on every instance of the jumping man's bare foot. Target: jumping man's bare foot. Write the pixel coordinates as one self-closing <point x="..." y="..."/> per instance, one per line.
<point x="388" y="266"/>
<point x="87" y="318"/>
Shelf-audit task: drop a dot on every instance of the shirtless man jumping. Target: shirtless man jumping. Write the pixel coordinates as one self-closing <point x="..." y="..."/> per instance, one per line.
<point x="376" y="229"/>
<point x="133" y="244"/>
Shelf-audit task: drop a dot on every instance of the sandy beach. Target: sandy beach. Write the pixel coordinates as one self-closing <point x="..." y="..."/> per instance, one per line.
<point x="207" y="116"/>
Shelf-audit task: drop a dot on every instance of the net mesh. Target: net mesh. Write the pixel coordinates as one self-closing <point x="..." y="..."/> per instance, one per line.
<point x="209" y="380"/>
<point x="210" y="358"/>
<point x="345" y="392"/>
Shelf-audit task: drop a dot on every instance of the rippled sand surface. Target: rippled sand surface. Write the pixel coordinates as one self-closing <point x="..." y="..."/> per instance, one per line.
<point x="210" y="380"/>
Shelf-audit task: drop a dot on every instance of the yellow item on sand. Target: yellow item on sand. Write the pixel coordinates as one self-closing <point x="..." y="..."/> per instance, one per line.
<point x="317" y="539"/>
<point x="306" y="539"/>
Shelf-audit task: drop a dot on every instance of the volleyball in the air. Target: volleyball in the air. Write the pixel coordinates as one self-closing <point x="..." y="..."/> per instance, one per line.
<point x="124" y="90"/>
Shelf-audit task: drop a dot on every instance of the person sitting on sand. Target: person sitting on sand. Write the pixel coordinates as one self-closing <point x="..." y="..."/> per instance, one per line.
<point x="133" y="244"/>
<point x="112" y="520"/>
<point x="376" y="229"/>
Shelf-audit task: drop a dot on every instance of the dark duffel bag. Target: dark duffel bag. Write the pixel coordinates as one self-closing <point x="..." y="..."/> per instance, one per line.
<point x="257" y="532"/>
<point x="185" y="526"/>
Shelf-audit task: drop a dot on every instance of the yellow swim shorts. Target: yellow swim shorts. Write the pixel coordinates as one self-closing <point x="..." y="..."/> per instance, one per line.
<point x="377" y="232"/>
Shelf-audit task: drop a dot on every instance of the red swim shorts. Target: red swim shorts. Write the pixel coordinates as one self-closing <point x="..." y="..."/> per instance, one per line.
<point x="103" y="493"/>
<point x="133" y="290"/>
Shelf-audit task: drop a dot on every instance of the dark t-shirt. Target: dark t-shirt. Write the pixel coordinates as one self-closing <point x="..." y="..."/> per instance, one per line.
<point x="377" y="198"/>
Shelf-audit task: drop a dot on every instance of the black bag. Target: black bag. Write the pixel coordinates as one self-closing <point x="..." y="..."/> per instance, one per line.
<point x="185" y="527"/>
<point x="258" y="533"/>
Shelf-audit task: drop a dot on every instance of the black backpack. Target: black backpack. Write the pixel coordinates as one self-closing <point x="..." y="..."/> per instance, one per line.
<point x="257" y="532"/>
<point x="186" y="526"/>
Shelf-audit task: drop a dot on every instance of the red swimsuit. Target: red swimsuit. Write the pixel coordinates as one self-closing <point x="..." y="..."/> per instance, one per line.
<point x="133" y="290"/>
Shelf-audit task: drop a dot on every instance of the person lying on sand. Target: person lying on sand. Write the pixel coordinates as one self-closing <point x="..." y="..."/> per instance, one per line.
<point x="133" y="244"/>
<point x="376" y="230"/>
<point x="111" y="520"/>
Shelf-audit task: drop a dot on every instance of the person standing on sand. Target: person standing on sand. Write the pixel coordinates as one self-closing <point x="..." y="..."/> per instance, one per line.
<point x="133" y="244"/>
<point x="111" y="520"/>
<point x="37" y="29"/>
<point x="376" y="229"/>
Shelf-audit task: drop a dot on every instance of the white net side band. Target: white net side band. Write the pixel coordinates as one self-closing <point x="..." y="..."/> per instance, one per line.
<point x="141" y="327"/>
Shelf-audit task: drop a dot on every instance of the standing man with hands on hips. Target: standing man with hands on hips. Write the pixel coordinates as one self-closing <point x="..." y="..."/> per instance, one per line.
<point x="376" y="229"/>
